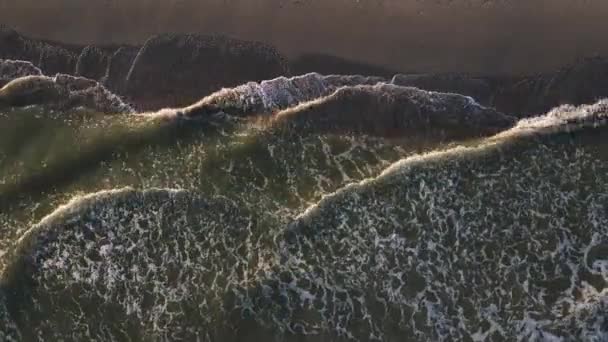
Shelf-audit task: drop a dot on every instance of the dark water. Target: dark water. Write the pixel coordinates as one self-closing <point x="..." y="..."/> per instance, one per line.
<point x="485" y="36"/>
<point x="231" y="230"/>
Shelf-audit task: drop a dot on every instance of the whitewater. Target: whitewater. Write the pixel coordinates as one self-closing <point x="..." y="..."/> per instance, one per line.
<point x="316" y="207"/>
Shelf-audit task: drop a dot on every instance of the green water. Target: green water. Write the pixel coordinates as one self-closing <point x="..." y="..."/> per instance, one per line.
<point x="47" y="158"/>
<point x="270" y="233"/>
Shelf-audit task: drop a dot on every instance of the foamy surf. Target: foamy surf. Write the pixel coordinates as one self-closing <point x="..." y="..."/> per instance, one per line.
<point x="11" y="69"/>
<point x="409" y="227"/>
<point x="25" y="85"/>
<point x="267" y="97"/>
<point x="502" y="239"/>
<point x="354" y="104"/>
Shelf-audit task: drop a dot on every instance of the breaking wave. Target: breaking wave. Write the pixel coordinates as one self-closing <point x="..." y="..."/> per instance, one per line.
<point x="314" y="207"/>
<point x="278" y="235"/>
<point x="386" y="109"/>
<point x="351" y="104"/>
<point x="270" y="96"/>
<point x="27" y="86"/>
<point x="10" y="70"/>
<point x="502" y="240"/>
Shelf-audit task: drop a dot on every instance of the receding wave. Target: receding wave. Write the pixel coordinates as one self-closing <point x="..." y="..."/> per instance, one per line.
<point x="181" y="68"/>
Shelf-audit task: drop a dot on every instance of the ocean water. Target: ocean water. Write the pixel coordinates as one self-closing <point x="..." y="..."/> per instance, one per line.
<point x="165" y="228"/>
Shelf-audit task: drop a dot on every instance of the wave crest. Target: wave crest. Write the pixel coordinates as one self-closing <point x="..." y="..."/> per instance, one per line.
<point x="61" y="92"/>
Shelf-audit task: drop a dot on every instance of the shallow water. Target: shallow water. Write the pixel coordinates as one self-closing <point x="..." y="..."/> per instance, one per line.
<point x="82" y="152"/>
<point x="232" y="230"/>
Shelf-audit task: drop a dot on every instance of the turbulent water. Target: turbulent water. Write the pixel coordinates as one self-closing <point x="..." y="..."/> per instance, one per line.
<point x="307" y="209"/>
